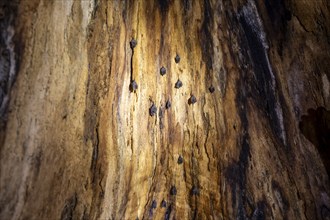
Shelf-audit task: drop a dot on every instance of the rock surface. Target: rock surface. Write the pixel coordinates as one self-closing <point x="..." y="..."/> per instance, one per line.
<point x="78" y="144"/>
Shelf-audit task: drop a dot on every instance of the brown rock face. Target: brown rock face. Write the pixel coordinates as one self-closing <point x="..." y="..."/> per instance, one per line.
<point x="245" y="136"/>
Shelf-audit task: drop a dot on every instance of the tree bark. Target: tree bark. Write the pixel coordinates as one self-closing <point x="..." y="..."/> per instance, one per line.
<point x="80" y="141"/>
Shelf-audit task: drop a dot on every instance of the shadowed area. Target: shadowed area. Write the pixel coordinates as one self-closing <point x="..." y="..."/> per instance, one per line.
<point x="316" y="127"/>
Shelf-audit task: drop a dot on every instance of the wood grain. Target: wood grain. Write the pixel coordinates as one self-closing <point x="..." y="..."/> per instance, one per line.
<point x="79" y="144"/>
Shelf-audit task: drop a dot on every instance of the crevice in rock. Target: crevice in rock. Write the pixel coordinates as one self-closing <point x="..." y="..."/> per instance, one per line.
<point x="8" y="55"/>
<point x="315" y="126"/>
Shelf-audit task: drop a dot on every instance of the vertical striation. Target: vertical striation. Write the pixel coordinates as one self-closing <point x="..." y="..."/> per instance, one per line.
<point x="164" y="109"/>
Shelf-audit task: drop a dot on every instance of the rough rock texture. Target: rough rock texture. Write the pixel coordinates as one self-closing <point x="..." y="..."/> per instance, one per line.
<point x="80" y="144"/>
<point x="8" y="10"/>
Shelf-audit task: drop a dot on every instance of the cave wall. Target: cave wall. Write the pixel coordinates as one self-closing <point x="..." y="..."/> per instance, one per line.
<point x="78" y="143"/>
